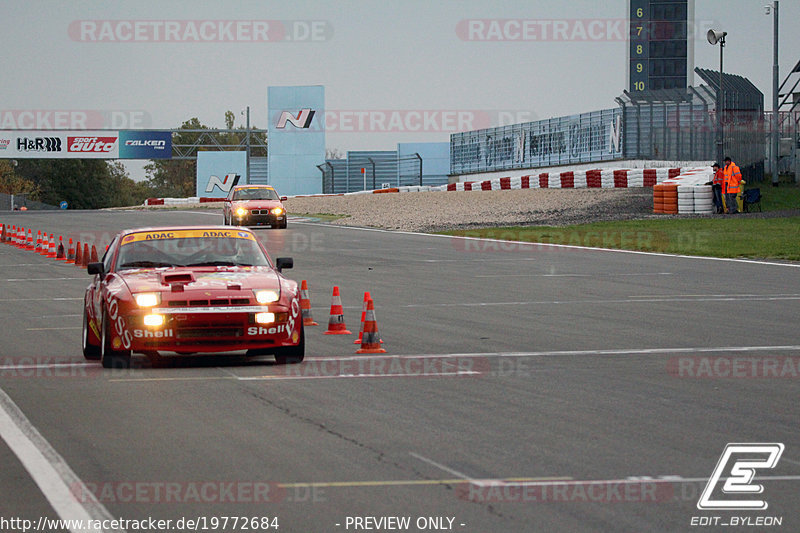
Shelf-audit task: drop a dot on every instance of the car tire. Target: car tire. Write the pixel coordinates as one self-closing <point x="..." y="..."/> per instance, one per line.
<point x="293" y="354"/>
<point x="283" y="224"/>
<point x="90" y="351"/>
<point x="109" y="357"/>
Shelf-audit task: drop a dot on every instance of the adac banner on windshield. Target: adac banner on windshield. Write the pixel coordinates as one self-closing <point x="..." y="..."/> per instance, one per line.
<point x="85" y="144"/>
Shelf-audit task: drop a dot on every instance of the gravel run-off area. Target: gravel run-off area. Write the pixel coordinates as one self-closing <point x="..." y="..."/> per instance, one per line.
<point x="446" y="210"/>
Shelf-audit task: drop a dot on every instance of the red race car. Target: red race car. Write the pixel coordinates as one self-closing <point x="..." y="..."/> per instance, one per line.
<point x="188" y="290"/>
<point x="254" y="205"/>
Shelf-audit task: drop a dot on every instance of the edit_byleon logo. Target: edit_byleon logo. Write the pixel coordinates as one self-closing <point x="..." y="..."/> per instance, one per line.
<point x="737" y="467"/>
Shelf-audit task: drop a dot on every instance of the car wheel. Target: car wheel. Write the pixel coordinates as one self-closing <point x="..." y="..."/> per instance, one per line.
<point x="293" y="354"/>
<point x="283" y="224"/>
<point x="109" y="357"/>
<point x="90" y="351"/>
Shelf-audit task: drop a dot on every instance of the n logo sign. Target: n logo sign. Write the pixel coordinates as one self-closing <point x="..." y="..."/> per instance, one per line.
<point x="225" y="185"/>
<point x="302" y="120"/>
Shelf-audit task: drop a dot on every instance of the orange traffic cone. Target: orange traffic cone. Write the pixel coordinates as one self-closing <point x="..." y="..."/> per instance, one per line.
<point x="363" y="318"/>
<point x="305" y="305"/>
<point x="371" y="343"/>
<point x="93" y="257"/>
<point x="60" y="255"/>
<point x="38" y="247"/>
<point x="3" y="234"/>
<point x="51" y="249"/>
<point x="79" y="255"/>
<point x="85" y="259"/>
<point x="70" y="253"/>
<point x="336" y="325"/>
<point x="20" y="237"/>
<point x="30" y="244"/>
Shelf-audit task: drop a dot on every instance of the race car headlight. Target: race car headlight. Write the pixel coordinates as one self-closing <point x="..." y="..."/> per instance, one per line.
<point x="266" y="296"/>
<point x="154" y="321"/>
<point x="241" y="211"/>
<point x="277" y="211"/>
<point x="147" y="299"/>
<point x="265" y="318"/>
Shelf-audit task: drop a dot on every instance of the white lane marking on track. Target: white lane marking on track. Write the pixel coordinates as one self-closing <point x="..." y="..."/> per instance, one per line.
<point x="636" y="300"/>
<point x="38" y="299"/>
<point x="45" y="279"/>
<point x="445" y="468"/>
<point x="53" y="329"/>
<point x="635" y="481"/>
<point x="230" y="375"/>
<point x="790" y="461"/>
<point x="622" y="274"/>
<point x="47" y="468"/>
<point x="44" y="365"/>
<point x="565" y="246"/>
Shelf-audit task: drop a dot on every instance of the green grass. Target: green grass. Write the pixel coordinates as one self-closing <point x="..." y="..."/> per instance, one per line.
<point x="785" y="196"/>
<point x="723" y="236"/>
<point x="774" y="238"/>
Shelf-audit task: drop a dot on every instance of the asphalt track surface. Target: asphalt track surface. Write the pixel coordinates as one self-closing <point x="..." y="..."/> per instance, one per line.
<point x="525" y="388"/>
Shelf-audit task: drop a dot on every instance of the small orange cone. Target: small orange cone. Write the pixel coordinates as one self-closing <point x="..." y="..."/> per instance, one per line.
<point x="38" y="247"/>
<point x="51" y="249"/>
<point x="60" y="255"/>
<point x="20" y="237"/>
<point x="363" y="318"/>
<point x="336" y="325"/>
<point x="85" y="259"/>
<point x="93" y="257"/>
<point x="30" y="244"/>
<point x="305" y="305"/>
<point x="3" y="234"/>
<point x="371" y="342"/>
<point x="71" y="253"/>
<point x="79" y="255"/>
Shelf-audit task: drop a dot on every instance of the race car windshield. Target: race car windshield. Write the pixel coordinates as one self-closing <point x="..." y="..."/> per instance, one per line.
<point x="190" y="252"/>
<point x="255" y="194"/>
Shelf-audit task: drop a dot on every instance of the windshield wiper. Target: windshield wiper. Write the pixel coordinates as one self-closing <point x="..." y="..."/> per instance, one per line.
<point x="213" y="263"/>
<point x="146" y="264"/>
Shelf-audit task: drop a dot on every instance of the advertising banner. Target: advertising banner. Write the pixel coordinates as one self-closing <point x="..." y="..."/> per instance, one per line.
<point x="217" y="171"/>
<point x="296" y="136"/>
<point x="59" y="144"/>
<point x="85" y="144"/>
<point x="134" y="144"/>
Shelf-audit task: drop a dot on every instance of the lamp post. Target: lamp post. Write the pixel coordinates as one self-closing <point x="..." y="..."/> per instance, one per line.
<point x="715" y="37"/>
<point x="774" y="155"/>
<point x="247" y="111"/>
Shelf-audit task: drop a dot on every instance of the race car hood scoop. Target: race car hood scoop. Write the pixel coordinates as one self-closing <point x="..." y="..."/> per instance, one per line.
<point x="176" y="278"/>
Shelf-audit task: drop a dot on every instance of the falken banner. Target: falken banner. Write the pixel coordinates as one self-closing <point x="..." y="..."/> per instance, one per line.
<point x="85" y="144"/>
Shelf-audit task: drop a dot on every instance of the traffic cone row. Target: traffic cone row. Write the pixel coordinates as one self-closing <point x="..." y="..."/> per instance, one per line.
<point x="47" y="246"/>
<point x="368" y="336"/>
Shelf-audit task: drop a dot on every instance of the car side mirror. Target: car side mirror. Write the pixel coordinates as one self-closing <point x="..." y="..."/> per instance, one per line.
<point x="284" y="262"/>
<point x="95" y="268"/>
<point x="284" y="198"/>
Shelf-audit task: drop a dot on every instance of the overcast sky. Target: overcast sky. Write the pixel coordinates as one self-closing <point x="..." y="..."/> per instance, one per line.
<point x="375" y="57"/>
